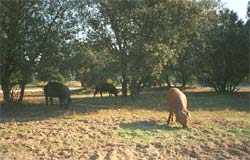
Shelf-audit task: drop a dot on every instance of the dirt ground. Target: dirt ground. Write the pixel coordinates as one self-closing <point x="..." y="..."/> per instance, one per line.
<point x="126" y="133"/>
<point x="99" y="136"/>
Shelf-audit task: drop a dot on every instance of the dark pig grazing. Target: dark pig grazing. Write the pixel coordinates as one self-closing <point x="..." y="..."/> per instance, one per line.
<point x="56" y="89"/>
<point x="106" y="87"/>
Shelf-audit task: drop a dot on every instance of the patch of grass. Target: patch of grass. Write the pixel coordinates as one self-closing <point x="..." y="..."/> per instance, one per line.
<point x="13" y="148"/>
<point x="218" y="101"/>
<point x="4" y="134"/>
<point x="220" y="124"/>
<point x="143" y="101"/>
<point x="146" y="131"/>
<point x="74" y="141"/>
<point x="196" y="100"/>
<point x="243" y="134"/>
<point x="215" y="125"/>
<point x="3" y="148"/>
<point x="173" y="136"/>
<point x="82" y="91"/>
<point x="147" y="100"/>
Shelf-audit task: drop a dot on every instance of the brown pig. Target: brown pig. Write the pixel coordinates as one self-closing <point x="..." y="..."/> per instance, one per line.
<point x="177" y="104"/>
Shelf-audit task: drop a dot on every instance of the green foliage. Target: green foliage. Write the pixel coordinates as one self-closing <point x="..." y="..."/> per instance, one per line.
<point x="90" y="63"/>
<point x="17" y="50"/>
<point x="226" y="60"/>
<point x="135" y="43"/>
<point x="50" y="74"/>
<point x="34" y="34"/>
<point x="145" y="37"/>
<point x="186" y="37"/>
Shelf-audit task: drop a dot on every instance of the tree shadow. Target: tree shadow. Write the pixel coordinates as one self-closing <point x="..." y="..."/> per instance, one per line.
<point x="218" y="100"/>
<point x="144" y="101"/>
<point x="18" y="112"/>
<point x="150" y="101"/>
<point x="208" y="100"/>
<point x="148" y="126"/>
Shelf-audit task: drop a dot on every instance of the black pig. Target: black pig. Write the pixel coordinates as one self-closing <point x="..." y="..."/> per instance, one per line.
<point x="55" y="89"/>
<point x="106" y="87"/>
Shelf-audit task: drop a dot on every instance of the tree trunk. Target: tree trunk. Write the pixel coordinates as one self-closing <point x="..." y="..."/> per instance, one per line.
<point x="168" y="81"/>
<point x="124" y="88"/>
<point x="124" y="75"/>
<point x="5" y="76"/>
<point x="123" y="70"/>
<point x="134" y="88"/>
<point x="82" y="83"/>
<point x="6" y="91"/>
<point x="22" y="87"/>
<point x="183" y="85"/>
<point x="223" y="87"/>
<point x="183" y="81"/>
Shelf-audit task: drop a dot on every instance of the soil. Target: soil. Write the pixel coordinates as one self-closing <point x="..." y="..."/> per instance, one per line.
<point x="93" y="136"/>
<point x="126" y="133"/>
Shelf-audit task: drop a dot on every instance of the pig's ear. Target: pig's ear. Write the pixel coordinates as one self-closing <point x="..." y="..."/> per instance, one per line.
<point x="189" y="115"/>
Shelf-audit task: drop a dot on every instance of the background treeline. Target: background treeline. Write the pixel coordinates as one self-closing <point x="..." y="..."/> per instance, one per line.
<point x="134" y="43"/>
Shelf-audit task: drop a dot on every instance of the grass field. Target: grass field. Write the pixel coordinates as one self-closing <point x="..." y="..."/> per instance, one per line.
<point x="119" y="128"/>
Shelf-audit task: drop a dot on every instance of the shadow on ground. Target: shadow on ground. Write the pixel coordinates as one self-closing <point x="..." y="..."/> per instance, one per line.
<point x="157" y="101"/>
<point x="30" y="112"/>
<point x="147" y="100"/>
<point x="148" y="126"/>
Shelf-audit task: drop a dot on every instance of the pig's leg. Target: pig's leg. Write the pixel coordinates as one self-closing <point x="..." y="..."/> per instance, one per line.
<point x="170" y="117"/>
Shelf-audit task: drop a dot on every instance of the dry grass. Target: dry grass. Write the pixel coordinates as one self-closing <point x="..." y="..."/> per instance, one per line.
<point x="118" y="128"/>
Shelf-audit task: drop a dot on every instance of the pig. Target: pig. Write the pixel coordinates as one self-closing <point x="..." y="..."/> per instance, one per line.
<point x="106" y="87"/>
<point x="177" y="104"/>
<point x="56" y="89"/>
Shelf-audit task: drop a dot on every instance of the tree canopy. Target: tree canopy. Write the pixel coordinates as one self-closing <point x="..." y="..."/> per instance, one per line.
<point x="132" y="43"/>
